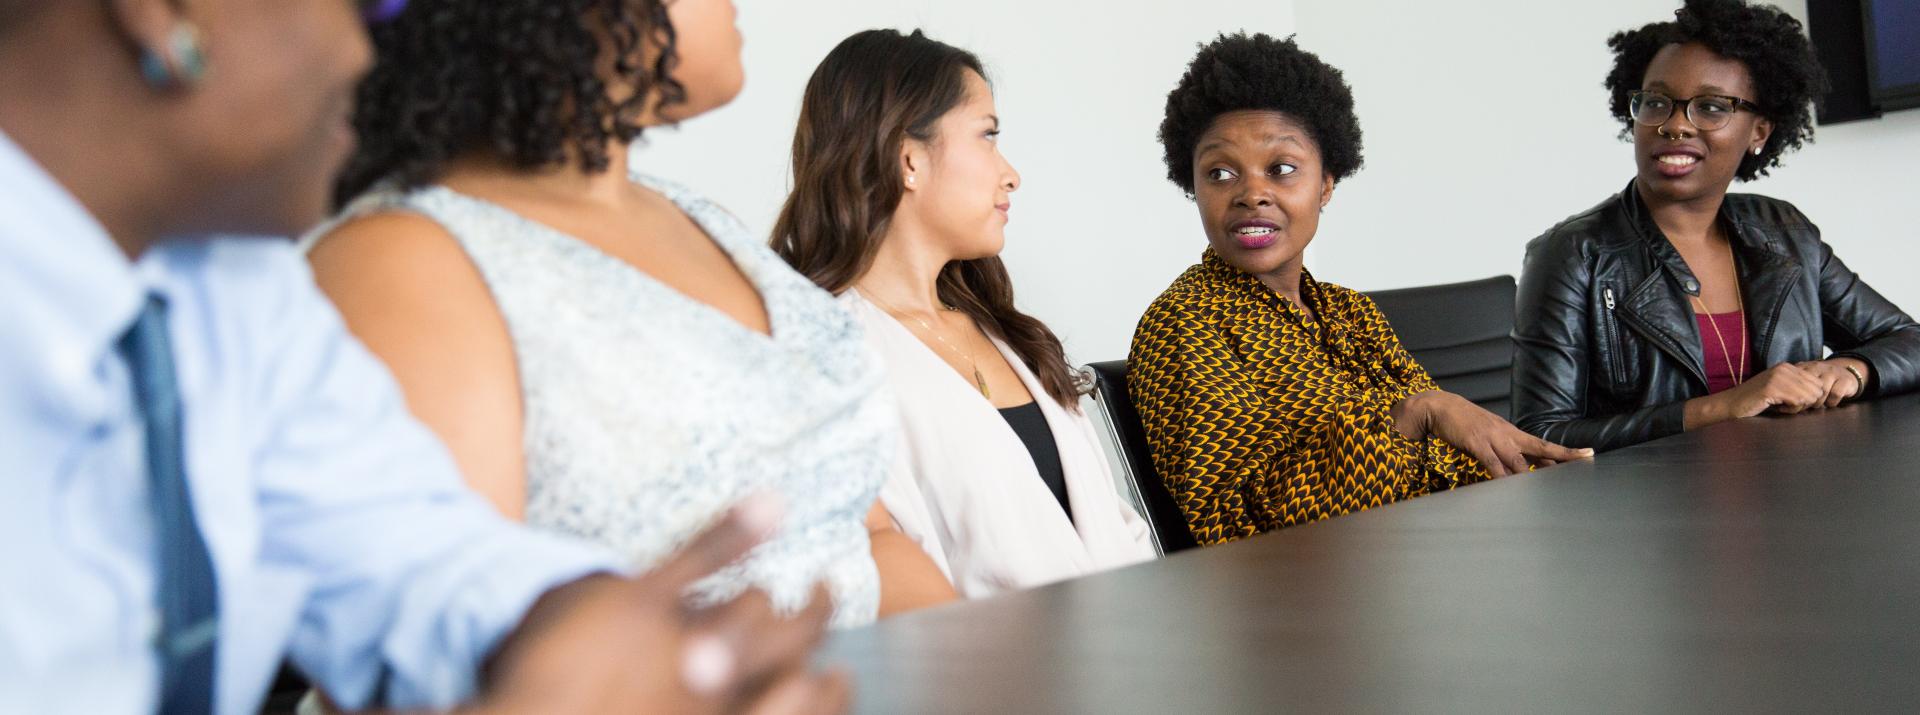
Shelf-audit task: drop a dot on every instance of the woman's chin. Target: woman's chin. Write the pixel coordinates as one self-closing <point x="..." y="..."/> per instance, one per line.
<point x="702" y="99"/>
<point x="1257" y="257"/>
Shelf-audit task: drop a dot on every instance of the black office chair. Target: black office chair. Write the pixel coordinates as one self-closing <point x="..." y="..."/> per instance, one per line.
<point x="1108" y="382"/>
<point x="1462" y="333"/>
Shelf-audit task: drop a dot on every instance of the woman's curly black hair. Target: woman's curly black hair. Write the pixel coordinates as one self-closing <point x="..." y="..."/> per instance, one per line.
<point x="1257" y="72"/>
<point x="1787" y="77"/>
<point x="522" y="79"/>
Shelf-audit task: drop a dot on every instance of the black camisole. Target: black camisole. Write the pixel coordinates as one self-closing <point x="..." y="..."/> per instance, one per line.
<point x="1031" y="424"/>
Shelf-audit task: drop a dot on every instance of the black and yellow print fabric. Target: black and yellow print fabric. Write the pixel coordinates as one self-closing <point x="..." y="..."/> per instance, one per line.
<point x="1259" y="418"/>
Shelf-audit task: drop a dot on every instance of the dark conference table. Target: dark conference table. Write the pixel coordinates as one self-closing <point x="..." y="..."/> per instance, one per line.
<point x="1766" y="565"/>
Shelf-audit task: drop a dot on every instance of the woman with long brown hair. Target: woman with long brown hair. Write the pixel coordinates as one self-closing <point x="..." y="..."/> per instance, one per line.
<point x="900" y="204"/>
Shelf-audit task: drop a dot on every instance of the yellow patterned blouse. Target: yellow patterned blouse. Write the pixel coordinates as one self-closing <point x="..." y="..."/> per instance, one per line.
<point x="1259" y="418"/>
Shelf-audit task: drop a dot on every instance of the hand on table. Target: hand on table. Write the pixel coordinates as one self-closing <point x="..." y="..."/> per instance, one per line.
<point x="1498" y="445"/>
<point x="1787" y="389"/>
<point x="1839" y="384"/>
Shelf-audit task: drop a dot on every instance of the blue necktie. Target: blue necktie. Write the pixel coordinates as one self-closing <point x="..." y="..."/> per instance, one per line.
<point x="187" y="594"/>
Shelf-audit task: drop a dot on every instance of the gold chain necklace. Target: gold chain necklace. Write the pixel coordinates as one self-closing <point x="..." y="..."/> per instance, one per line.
<point x="979" y="380"/>
<point x="1741" y="303"/>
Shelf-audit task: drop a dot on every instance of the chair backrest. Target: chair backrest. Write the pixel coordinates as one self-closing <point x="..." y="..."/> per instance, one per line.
<point x="1109" y="380"/>
<point x="1462" y="333"/>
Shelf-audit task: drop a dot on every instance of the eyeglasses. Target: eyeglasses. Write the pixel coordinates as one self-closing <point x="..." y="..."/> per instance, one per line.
<point x="380" y="11"/>
<point x="1707" y="111"/>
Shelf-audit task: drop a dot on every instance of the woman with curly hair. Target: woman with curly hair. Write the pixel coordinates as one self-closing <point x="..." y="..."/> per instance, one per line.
<point x="1269" y="398"/>
<point x="606" y="353"/>
<point x="1675" y="305"/>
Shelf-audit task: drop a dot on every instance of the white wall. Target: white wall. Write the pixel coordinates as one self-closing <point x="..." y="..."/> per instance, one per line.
<point x="1448" y="195"/>
<point x="1445" y="196"/>
<point x="1080" y="84"/>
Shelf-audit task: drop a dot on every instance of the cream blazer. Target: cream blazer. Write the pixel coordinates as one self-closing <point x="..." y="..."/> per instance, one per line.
<point x="968" y="491"/>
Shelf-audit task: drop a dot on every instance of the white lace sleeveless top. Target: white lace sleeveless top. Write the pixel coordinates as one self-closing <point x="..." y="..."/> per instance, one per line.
<point x="649" y="413"/>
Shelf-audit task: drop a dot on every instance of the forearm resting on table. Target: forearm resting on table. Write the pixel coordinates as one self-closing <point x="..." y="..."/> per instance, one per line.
<point x="1704" y="412"/>
<point x="909" y="580"/>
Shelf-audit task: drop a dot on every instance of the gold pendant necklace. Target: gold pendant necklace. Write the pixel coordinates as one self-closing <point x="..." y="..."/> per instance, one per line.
<point x="1741" y="303"/>
<point x="979" y="380"/>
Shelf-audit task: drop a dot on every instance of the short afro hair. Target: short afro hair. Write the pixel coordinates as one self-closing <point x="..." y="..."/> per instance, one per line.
<point x="1241" y="72"/>
<point x="1787" y="77"/>
<point x="519" y="79"/>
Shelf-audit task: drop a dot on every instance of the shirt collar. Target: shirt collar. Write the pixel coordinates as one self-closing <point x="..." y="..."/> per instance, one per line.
<point x="1249" y="286"/>
<point x="73" y="289"/>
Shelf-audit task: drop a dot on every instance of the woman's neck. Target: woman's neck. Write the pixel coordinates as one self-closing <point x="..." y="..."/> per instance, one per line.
<point x="1688" y="222"/>
<point x="1285" y="281"/>
<point x="568" y="184"/>
<point x="905" y="274"/>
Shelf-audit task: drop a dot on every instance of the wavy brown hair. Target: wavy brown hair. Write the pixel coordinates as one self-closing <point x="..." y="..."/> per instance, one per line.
<point x="870" y="95"/>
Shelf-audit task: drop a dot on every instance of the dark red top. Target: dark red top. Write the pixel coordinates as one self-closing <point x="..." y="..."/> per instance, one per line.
<point x="1733" y="328"/>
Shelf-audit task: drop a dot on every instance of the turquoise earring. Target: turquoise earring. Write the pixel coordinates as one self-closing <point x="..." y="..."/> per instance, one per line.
<point x="189" y="60"/>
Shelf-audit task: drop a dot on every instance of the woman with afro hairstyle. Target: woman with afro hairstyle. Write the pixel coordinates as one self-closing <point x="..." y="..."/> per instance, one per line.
<point x="607" y="354"/>
<point x="1269" y="398"/>
<point x="1675" y="305"/>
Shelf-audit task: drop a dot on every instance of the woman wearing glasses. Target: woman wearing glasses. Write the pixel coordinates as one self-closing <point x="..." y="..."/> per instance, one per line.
<point x="1675" y="305"/>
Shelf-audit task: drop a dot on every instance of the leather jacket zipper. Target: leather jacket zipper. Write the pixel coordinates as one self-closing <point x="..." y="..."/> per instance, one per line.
<point x="1612" y="336"/>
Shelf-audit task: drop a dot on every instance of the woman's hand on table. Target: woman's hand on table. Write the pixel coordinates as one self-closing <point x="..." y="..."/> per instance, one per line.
<point x="1498" y="445"/>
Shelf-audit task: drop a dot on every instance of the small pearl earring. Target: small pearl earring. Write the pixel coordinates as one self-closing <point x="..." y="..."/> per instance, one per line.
<point x="1756" y="151"/>
<point x="909" y="180"/>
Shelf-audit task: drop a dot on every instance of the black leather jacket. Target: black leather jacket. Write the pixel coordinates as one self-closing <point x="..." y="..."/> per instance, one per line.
<point x="1606" y="349"/>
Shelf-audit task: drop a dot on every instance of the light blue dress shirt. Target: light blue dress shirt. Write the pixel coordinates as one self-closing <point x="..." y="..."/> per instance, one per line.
<point x="339" y="527"/>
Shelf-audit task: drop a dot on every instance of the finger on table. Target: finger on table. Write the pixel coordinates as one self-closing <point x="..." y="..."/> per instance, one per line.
<point x="1490" y="459"/>
<point x="1542" y="449"/>
<point x="1514" y="460"/>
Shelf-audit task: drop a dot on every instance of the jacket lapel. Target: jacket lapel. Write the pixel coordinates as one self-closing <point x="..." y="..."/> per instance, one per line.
<point x="1767" y="278"/>
<point x="1659" y="308"/>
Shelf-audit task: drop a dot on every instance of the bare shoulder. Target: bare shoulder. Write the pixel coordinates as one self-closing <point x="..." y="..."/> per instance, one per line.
<point x="385" y="244"/>
<point x="408" y="289"/>
<point x="396" y="260"/>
